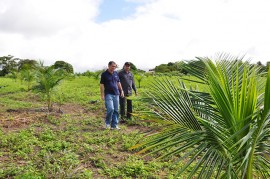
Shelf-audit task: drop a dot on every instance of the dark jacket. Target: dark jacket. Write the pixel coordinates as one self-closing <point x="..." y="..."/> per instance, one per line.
<point x="127" y="82"/>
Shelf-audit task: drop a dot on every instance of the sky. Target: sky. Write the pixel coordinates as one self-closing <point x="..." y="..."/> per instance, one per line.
<point x="90" y="33"/>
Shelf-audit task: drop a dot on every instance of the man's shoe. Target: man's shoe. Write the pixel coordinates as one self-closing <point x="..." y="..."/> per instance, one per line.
<point x="116" y="128"/>
<point x="107" y="126"/>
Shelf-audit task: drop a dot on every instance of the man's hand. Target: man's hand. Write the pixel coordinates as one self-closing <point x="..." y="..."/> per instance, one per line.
<point x="102" y="92"/>
<point x="122" y="94"/>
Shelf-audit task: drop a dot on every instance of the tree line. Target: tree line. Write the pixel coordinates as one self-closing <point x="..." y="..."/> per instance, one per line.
<point x="11" y="65"/>
<point x="180" y="66"/>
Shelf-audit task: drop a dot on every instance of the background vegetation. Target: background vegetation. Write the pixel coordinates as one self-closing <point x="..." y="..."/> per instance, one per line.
<point x="52" y="123"/>
<point x="70" y="140"/>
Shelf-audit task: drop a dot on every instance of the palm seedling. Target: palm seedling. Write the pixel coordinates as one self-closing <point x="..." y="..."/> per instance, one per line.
<point x="14" y="74"/>
<point x="139" y="78"/>
<point x="48" y="78"/>
<point x="222" y="132"/>
<point x="28" y="75"/>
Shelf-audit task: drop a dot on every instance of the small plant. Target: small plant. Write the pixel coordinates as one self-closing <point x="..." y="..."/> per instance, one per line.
<point x="60" y="98"/>
<point x="48" y="78"/>
<point x="28" y="75"/>
<point x="139" y="78"/>
<point x="14" y="74"/>
<point x="134" y="167"/>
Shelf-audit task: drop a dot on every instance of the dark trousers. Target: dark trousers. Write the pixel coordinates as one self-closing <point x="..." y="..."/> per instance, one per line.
<point x="123" y="102"/>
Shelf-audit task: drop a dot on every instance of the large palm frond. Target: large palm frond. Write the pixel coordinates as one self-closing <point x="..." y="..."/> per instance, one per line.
<point x="224" y="131"/>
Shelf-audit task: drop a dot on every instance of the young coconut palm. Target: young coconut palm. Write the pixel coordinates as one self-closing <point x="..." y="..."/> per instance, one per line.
<point x="139" y="77"/>
<point x="221" y="133"/>
<point x="28" y="75"/>
<point x="48" y="78"/>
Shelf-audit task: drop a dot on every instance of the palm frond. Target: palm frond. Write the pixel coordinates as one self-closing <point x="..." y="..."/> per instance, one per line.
<point x="222" y="132"/>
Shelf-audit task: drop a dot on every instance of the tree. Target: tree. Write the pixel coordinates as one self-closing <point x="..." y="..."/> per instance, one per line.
<point x="8" y="64"/>
<point x="139" y="78"/>
<point x="221" y="133"/>
<point x="27" y="64"/>
<point x="133" y="67"/>
<point x="63" y="65"/>
<point x="170" y="67"/>
<point x="163" y="68"/>
<point x="48" y="78"/>
<point x="97" y="74"/>
<point x="88" y="73"/>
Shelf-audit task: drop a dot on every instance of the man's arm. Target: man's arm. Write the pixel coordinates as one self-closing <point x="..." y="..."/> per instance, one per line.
<point x="121" y="89"/>
<point x="134" y="86"/>
<point x="102" y="91"/>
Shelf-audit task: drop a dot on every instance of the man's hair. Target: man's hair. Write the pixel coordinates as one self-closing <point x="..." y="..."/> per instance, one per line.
<point x="127" y="64"/>
<point x="111" y="62"/>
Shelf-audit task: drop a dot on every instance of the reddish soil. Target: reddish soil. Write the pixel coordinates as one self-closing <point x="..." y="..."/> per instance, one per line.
<point x="14" y="119"/>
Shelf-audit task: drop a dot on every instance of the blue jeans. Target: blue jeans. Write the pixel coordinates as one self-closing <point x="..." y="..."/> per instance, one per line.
<point x="112" y="114"/>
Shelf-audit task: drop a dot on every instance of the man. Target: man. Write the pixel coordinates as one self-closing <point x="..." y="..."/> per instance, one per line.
<point x="109" y="90"/>
<point x="127" y="82"/>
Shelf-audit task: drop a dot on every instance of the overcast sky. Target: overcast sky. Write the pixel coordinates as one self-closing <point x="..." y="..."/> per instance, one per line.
<point x="90" y="33"/>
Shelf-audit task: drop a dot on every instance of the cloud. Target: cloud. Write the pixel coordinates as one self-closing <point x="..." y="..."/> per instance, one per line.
<point x="160" y="31"/>
<point x="43" y="18"/>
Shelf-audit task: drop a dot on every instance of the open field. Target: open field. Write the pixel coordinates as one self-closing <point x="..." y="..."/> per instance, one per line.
<point x="71" y="142"/>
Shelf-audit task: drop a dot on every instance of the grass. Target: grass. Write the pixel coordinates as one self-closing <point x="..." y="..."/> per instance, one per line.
<point x="73" y="143"/>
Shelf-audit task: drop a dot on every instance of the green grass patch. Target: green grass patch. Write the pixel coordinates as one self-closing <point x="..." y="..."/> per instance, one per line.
<point x="72" y="144"/>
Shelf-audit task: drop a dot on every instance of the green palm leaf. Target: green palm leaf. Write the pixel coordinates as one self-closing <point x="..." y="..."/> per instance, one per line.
<point x="48" y="78"/>
<point x="222" y="132"/>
